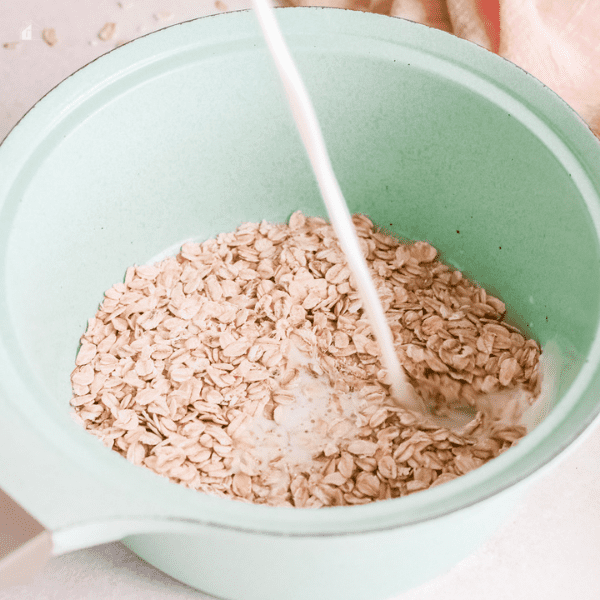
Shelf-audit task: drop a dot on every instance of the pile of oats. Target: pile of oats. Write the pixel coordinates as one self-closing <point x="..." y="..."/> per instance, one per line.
<point x="245" y="367"/>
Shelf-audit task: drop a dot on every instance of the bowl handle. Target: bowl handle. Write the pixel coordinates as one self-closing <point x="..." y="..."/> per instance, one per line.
<point x="25" y="545"/>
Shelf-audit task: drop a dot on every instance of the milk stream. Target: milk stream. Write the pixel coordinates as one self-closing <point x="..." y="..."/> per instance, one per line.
<point x="339" y="215"/>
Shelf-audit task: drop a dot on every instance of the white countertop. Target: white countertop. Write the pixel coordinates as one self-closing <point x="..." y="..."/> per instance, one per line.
<point x="549" y="549"/>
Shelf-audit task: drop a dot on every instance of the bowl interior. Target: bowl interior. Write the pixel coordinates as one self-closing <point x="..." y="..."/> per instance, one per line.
<point x="184" y="139"/>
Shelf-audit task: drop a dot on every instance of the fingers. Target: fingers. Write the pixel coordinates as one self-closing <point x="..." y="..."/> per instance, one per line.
<point x="477" y="21"/>
<point x="433" y="13"/>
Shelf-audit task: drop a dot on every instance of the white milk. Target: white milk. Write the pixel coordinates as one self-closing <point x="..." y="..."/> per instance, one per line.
<point x="318" y="417"/>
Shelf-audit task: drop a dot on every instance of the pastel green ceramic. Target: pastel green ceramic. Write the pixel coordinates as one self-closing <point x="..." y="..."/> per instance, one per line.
<point x="185" y="133"/>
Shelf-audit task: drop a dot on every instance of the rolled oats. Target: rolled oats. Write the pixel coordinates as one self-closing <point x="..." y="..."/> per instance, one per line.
<point x="245" y="367"/>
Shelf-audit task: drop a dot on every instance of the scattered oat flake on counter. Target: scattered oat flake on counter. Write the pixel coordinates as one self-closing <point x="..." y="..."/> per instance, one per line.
<point x="220" y="5"/>
<point x="107" y="32"/>
<point x="49" y="36"/>
<point x="163" y="16"/>
<point x="10" y="45"/>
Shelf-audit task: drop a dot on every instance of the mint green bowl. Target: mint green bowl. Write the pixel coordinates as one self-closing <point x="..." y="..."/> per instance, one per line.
<point x="185" y="133"/>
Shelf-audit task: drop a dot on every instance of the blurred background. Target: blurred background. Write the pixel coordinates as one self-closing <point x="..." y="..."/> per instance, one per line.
<point x="42" y="42"/>
<point x="551" y="547"/>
